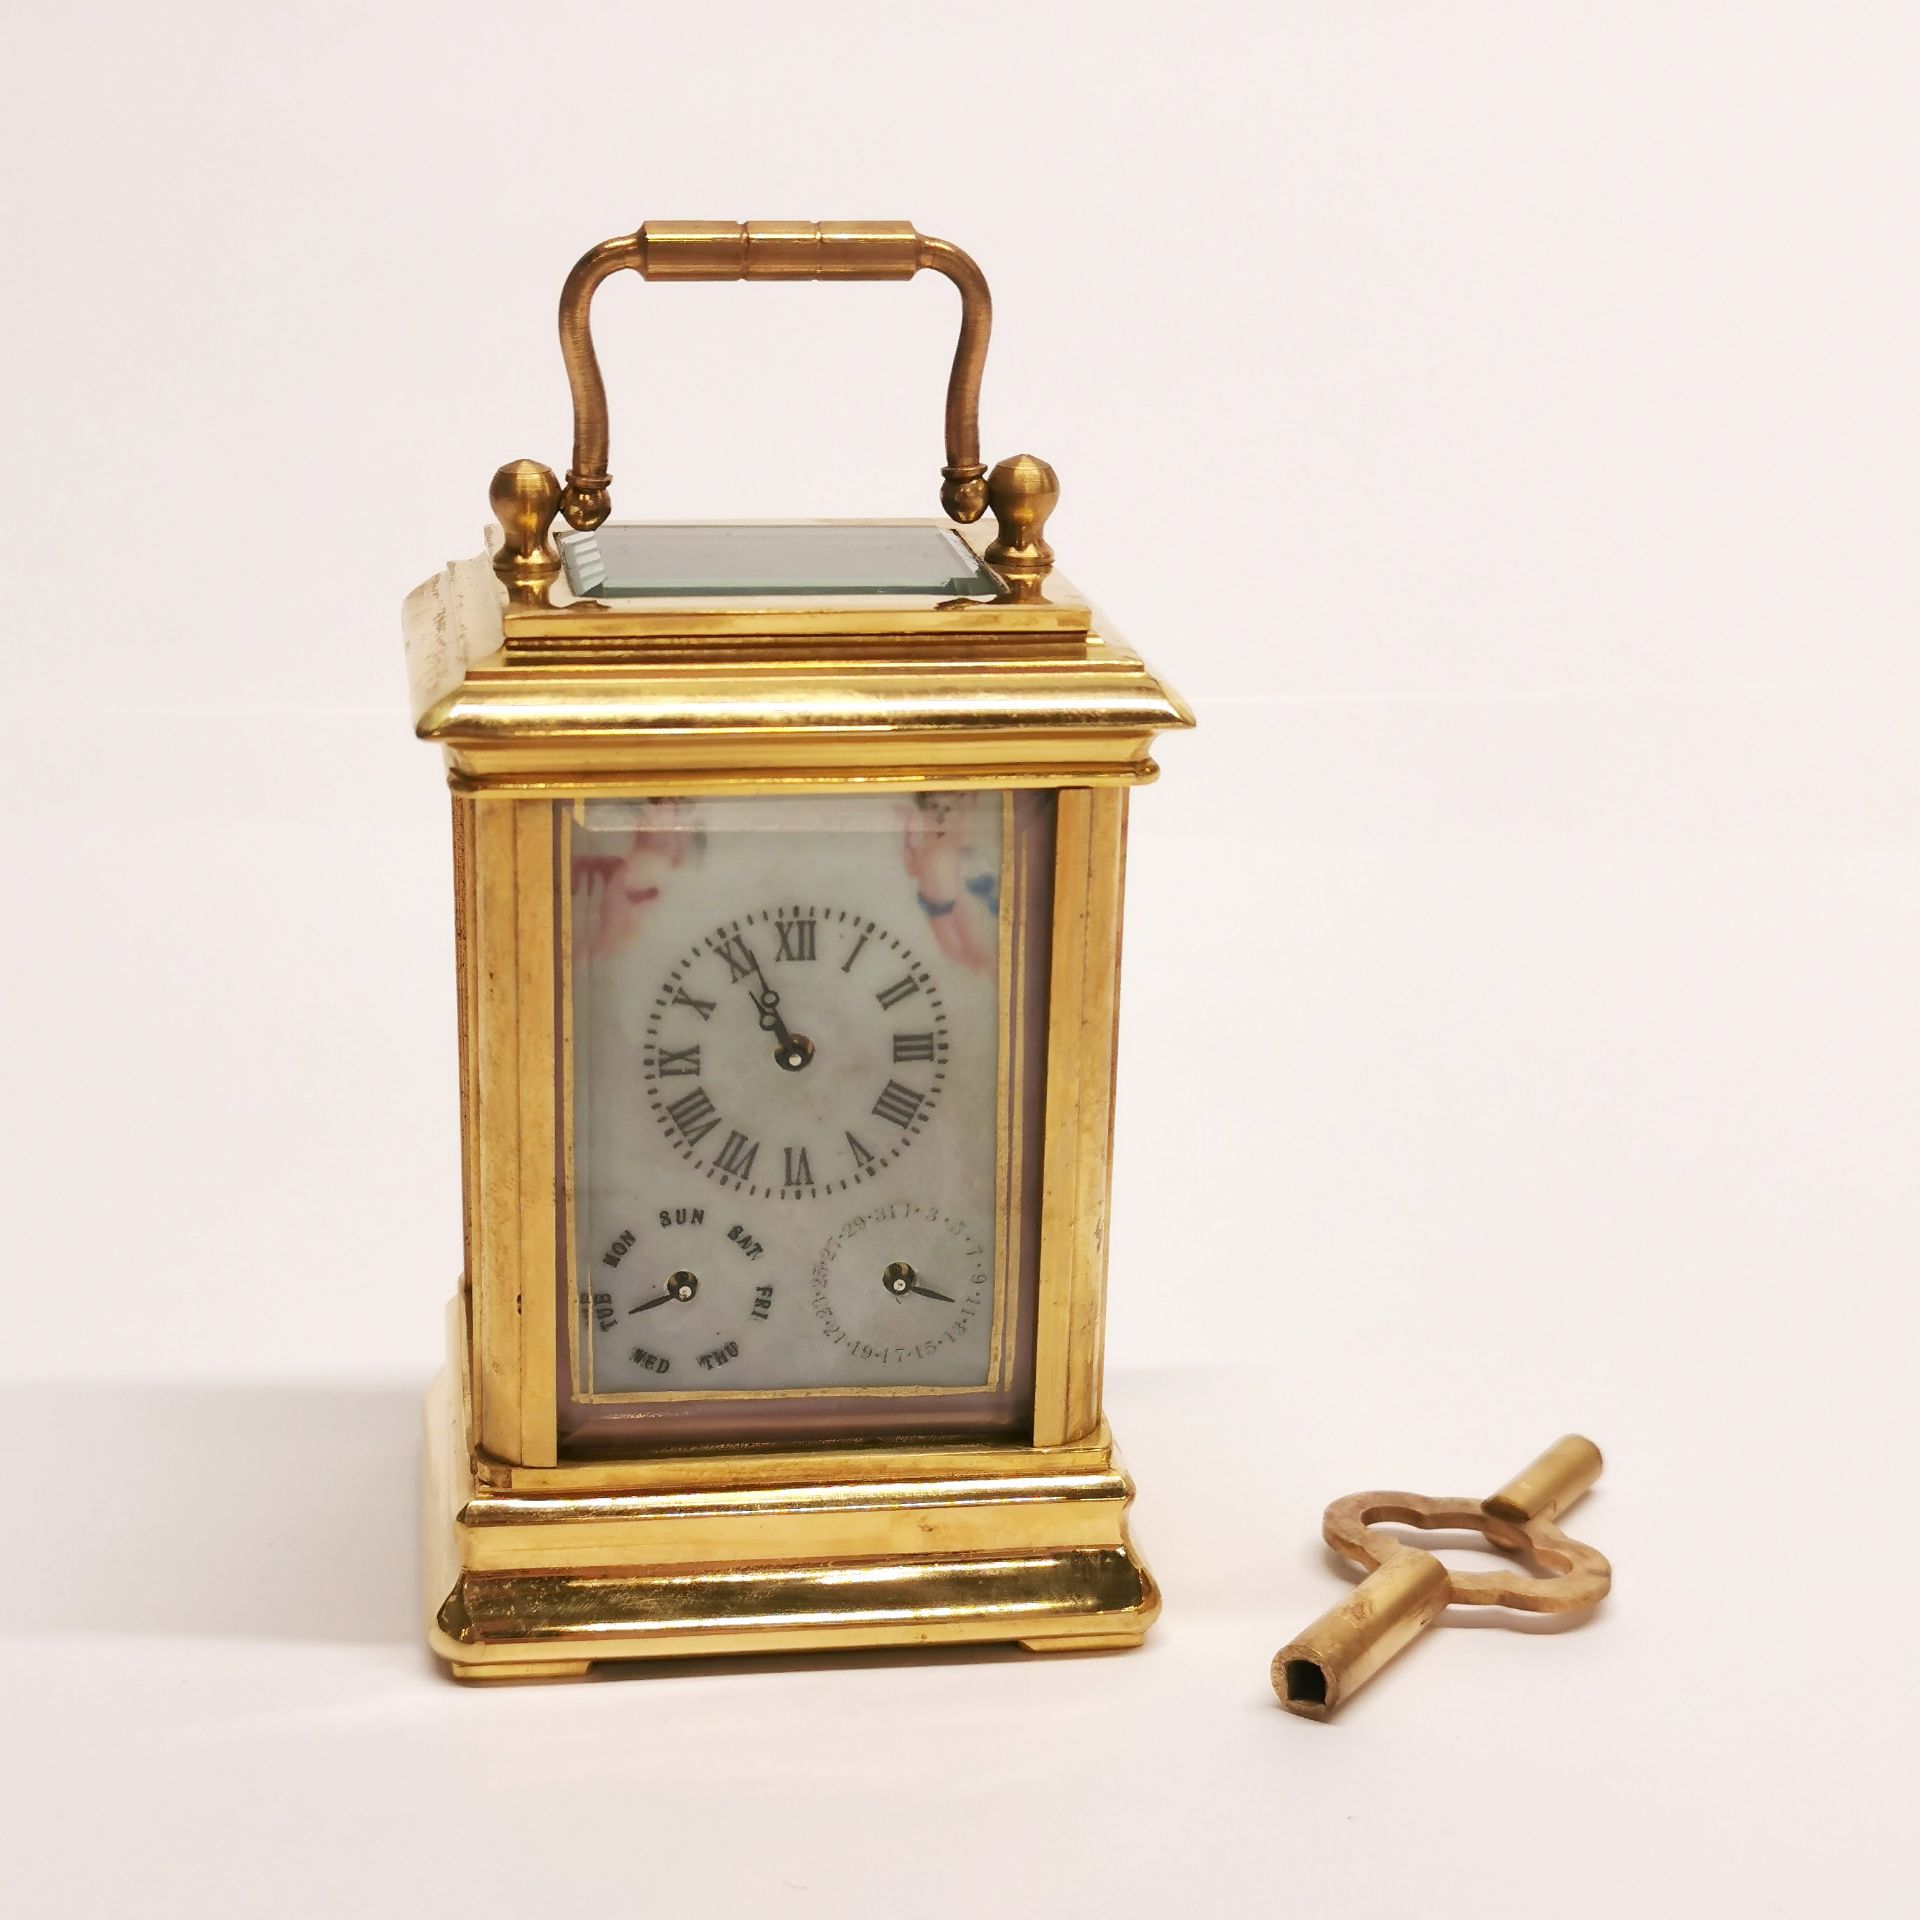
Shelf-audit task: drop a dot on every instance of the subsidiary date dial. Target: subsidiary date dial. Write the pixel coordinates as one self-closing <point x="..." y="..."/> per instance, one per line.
<point x="906" y="1289"/>
<point x="795" y="1051"/>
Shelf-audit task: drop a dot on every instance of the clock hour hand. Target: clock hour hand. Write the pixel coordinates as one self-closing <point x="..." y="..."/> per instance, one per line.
<point x="900" y="1279"/>
<point x="790" y="1050"/>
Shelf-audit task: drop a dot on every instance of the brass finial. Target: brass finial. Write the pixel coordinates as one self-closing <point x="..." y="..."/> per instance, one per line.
<point x="525" y="498"/>
<point x="1022" y="492"/>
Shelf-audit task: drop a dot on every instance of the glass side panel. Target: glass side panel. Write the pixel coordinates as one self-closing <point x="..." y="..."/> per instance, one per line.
<point x="633" y="561"/>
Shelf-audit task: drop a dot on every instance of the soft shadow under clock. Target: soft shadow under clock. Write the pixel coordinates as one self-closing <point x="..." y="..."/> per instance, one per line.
<point x="291" y="1513"/>
<point x="234" y="1511"/>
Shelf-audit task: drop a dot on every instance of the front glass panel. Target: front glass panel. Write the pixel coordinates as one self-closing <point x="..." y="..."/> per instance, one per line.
<point x="805" y="1044"/>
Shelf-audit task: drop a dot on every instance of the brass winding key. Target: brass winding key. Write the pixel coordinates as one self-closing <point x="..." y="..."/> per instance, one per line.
<point x="1407" y="1589"/>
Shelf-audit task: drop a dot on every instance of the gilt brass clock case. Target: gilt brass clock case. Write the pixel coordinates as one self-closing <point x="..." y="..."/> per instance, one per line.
<point x="788" y="868"/>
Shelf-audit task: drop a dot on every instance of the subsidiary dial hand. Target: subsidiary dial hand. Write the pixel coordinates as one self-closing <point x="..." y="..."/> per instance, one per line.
<point x="900" y="1279"/>
<point x="680" y="1286"/>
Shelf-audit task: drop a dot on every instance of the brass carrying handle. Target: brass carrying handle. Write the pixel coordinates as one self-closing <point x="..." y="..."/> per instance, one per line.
<point x="772" y="250"/>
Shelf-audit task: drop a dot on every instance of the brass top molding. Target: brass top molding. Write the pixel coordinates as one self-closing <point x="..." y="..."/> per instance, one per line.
<point x="1002" y="709"/>
<point x="772" y="250"/>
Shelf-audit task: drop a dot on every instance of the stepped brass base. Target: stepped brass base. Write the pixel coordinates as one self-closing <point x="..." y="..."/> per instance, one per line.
<point x="534" y="1573"/>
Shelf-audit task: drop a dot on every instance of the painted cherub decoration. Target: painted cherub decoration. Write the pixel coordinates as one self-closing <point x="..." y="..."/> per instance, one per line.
<point x="952" y="850"/>
<point x="619" y="889"/>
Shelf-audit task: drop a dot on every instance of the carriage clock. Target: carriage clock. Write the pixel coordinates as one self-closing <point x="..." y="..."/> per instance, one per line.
<point x="787" y="866"/>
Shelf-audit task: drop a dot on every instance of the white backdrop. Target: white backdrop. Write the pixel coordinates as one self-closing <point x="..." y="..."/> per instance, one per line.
<point x="1500" y="421"/>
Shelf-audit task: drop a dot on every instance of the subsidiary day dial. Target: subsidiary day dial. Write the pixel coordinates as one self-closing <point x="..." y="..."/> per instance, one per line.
<point x="681" y="1298"/>
<point x="795" y="1051"/>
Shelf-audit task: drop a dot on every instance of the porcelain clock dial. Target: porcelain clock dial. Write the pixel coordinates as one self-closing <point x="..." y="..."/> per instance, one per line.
<point x="786" y="1145"/>
<point x="796" y="1051"/>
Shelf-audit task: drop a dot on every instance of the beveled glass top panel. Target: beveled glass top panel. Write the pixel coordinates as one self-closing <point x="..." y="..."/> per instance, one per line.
<point x="748" y="560"/>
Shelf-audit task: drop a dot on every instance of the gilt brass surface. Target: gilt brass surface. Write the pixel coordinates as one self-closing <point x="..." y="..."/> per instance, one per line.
<point x="525" y="496"/>
<point x="752" y="1553"/>
<point x="759" y="713"/>
<point x="1548" y="1486"/>
<point x="1089" y="877"/>
<point x="1023" y="493"/>
<point x="511" y="1038"/>
<point x="992" y="1512"/>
